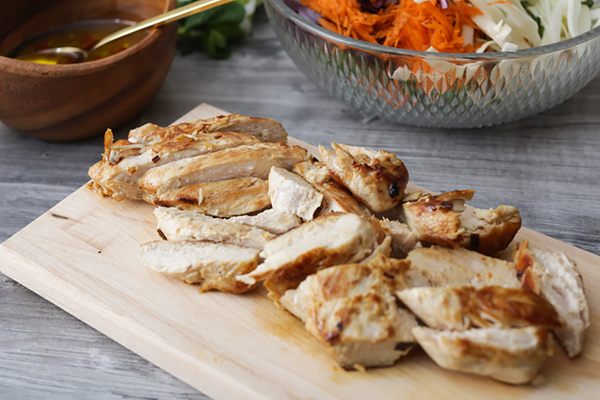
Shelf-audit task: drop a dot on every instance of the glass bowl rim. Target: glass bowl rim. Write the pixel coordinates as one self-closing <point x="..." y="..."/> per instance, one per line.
<point x="391" y="51"/>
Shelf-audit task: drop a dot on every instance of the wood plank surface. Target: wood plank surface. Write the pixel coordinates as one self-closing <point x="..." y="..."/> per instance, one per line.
<point x="83" y="255"/>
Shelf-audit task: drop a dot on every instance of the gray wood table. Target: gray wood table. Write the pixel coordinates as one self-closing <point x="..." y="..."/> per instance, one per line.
<point x="547" y="166"/>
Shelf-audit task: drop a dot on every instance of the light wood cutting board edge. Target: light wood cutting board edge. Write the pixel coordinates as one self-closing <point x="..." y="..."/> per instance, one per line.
<point x="24" y="261"/>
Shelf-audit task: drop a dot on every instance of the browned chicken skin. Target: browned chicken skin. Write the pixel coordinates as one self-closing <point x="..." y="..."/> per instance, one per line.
<point x="376" y="178"/>
<point x="444" y="220"/>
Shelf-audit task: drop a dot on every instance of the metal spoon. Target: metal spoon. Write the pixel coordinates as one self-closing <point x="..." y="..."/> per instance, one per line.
<point x="81" y="55"/>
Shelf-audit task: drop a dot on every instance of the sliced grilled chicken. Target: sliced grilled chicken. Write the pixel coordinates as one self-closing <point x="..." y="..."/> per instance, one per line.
<point x="213" y="265"/>
<point x="124" y="162"/>
<point x="508" y="355"/>
<point x="271" y="220"/>
<point x="220" y="199"/>
<point x="177" y="224"/>
<point x="384" y="248"/>
<point x="556" y="278"/>
<point x="313" y="171"/>
<point x="317" y="244"/>
<point x="264" y="129"/>
<point x="442" y="219"/>
<point x="462" y="308"/>
<point x="336" y="198"/>
<point x="289" y="192"/>
<point x="403" y="238"/>
<point x="352" y="311"/>
<point x="441" y="266"/>
<point x="489" y="231"/>
<point x="436" y="218"/>
<point x="376" y="178"/>
<point x="241" y="162"/>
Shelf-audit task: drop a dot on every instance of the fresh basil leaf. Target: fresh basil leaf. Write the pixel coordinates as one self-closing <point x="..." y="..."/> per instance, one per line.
<point x="200" y="19"/>
<point x="215" y="44"/>
<point x="230" y="13"/>
<point x="230" y="31"/>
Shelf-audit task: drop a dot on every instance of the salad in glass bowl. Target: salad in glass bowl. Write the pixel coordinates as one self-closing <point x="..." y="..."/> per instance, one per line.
<point x="443" y="63"/>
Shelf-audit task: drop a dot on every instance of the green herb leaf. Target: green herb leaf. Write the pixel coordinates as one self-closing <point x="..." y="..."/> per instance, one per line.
<point x="589" y="3"/>
<point x="212" y="30"/>
<point x="215" y="44"/>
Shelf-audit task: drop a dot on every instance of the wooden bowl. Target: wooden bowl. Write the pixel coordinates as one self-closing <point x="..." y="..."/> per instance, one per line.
<point x="76" y="101"/>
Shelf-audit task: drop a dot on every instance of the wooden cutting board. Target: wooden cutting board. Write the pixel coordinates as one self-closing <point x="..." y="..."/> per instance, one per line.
<point x="84" y="256"/>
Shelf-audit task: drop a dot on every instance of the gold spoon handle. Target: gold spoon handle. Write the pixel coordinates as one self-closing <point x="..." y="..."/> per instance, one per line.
<point x="170" y="16"/>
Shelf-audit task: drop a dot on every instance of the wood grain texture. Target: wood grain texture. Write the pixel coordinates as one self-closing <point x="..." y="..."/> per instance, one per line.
<point x="547" y="166"/>
<point x="83" y="255"/>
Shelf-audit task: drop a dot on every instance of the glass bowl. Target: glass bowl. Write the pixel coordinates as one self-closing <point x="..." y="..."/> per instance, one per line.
<point x="437" y="89"/>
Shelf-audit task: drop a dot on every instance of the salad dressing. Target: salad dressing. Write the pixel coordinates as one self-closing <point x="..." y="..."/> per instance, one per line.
<point x="84" y="35"/>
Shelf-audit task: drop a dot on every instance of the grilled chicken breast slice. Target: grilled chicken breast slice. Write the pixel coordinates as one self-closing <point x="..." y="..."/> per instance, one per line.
<point x="220" y="199"/>
<point x="403" y="238"/>
<point x="292" y="256"/>
<point x="177" y="224"/>
<point x="462" y="308"/>
<point x="376" y="178"/>
<point x="489" y="231"/>
<point x="212" y="265"/>
<point x="557" y="279"/>
<point x="508" y="355"/>
<point x="313" y="171"/>
<point x="441" y="266"/>
<point x="274" y="221"/>
<point x="289" y="192"/>
<point x="436" y="218"/>
<point x="124" y="162"/>
<point x="336" y="198"/>
<point x="442" y="219"/>
<point x="243" y="161"/>
<point x="351" y="309"/>
<point x="265" y="130"/>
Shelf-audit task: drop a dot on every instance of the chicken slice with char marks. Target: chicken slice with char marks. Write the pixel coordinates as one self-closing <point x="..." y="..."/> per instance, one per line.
<point x="462" y="308"/>
<point x="336" y="198"/>
<point x="376" y="178"/>
<point x="289" y="192"/>
<point x="441" y="266"/>
<point x="220" y="198"/>
<point x="241" y="162"/>
<point x="489" y="231"/>
<point x="177" y="224"/>
<point x="508" y="355"/>
<point x="317" y="244"/>
<point x="443" y="219"/>
<point x="351" y="309"/>
<point x="264" y="129"/>
<point x="123" y="162"/>
<point x="556" y="278"/>
<point x="212" y="265"/>
<point x="274" y="221"/>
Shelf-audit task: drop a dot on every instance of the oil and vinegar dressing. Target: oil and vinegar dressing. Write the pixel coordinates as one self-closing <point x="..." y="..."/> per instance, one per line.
<point x="84" y="35"/>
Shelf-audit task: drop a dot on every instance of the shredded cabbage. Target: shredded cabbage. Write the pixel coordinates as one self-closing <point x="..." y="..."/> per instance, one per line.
<point x="531" y="23"/>
<point x="563" y="19"/>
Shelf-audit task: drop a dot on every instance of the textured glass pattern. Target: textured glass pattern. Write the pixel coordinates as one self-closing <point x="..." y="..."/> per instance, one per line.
<point x="433" y="90"/>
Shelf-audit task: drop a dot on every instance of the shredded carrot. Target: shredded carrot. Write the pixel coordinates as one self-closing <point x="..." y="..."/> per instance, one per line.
<point x="406" y="25"/>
